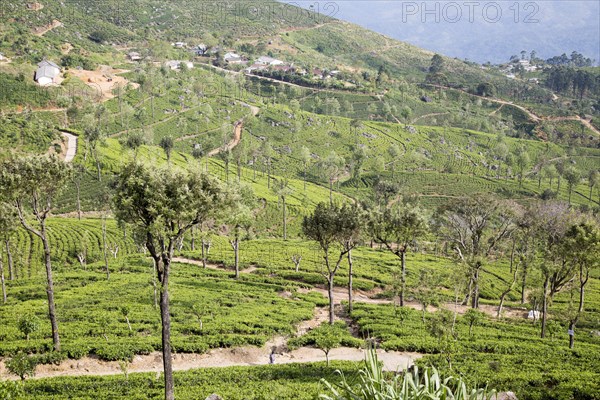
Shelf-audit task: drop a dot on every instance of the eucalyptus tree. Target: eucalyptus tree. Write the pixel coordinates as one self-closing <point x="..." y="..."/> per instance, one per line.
<point x="239" y="220"/>
<point x="397" y="226"/>
<point x="163" y="204"/>
<point x="306" y="159"/>
<point x="31" y="184"/>
<point x="552" y="221"/>
<point x="593" y="180"/>
<point x="267" y="152"/>
<point x="332" y="168"/>
<point x="167" y="143"/>
<point x="283" y="189"/>
<point x="8" y="222"/>
<point x="573" y="177"/>
<point x="582" y="247"/>
<point x="335" y="228"/>
<point x="475" y="227"/>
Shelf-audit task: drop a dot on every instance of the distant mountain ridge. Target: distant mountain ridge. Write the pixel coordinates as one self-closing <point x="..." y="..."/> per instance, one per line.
<point x="486" y="31"/>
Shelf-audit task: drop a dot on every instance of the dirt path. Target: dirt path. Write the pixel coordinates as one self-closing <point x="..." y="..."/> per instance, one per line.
<point x="214" y="266"/>
<point x="237" y="132"/>
<point x="71" y="146"/>
<point x="341" y="294"/>
<point x="216" y="358"/>
<point x="237" y="136"/>
<point x="41" y="31"/>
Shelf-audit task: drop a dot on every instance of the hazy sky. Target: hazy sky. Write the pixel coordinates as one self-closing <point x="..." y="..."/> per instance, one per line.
<point x="479" y="30"/>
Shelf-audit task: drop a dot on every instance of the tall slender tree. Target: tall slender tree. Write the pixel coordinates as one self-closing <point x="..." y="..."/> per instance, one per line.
<point x="163" y="204"/>
<point x="475" y="227"/>
<point x="334" y="228"/>
<point x="397" y="226"/>
<point x="31" y="184"/>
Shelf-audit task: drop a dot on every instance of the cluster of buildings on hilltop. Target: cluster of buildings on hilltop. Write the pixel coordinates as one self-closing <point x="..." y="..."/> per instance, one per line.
<point x="521" y="65"/>
<point x="262" y="63"/>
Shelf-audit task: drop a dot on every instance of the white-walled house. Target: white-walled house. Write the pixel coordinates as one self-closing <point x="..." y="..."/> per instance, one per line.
<point x="46" y="73"/>
<point x="270" y="61"/>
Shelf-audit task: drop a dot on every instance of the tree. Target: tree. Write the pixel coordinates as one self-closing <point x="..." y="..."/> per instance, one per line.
<point x="485" y="89"/>
<point x="593" y="180"/>
<point x="356" y="124"/>
<point x="332" y="167"/>
<point x="283" y="189"/>
<point x="475" y="227"/>
<point x="306" y="159"/>
<point x="473" y="317"/>
<point x="134" y="141"/>
<point x="550" y="172"/>
<point x="426" y="292"/>
<point x="94" y="138"/>
<point x="551" y="224"/>
<point x="397" y="227"/>
<point x="359" y="155"/>
<point x="239" y="220"/>
<point x="167" y="143"/>
<point x="21" y="365"/>
<point x="573" y="177"/>
<point x="32" y="183"/>
<point x="163" y="204"/>
<point x="405" y="113"/>
<point x="522" y="162"/>
<point x="267" y="153"/>
<point x="334" y="228"/>
<point x="437" y="64"/>
<point x="394" y="152"/>
<point x="226" y="156"/>
<point x="28" y="324"/>
<point x="582" y="245"/>
<point x="326" y="338"/>
<point x="8" y="221"/>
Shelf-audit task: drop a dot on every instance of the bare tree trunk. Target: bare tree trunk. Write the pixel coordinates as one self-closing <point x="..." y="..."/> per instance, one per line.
<point x="193" y="241"/>
<point x="50" y="287"/>
<point x="104" y="250"/>
<point x="9" y="259"/>
<point x="154" y="274"/>
<point x="330" y="277"/>
<point x="573" y="322"/>
<point x="203" y="255"/>
<point x="544" y="307"/>
<point x="2" y="281"/>
<point x="350" y="281"/>
<point x="284" y="219"/>
<point x="475" y="298"/>
<point x="523" y="283"/>
<point x="166" y="330"/>
<point x="78" y="191"/>
<point x="402" y="277"/>
<point x="235" y="245"/>
<point x="506" y="292"/>
<point x="30" y="253"/>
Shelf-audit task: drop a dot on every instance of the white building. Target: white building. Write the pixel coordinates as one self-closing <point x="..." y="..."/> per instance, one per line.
<point x="46" y="73"/>
<point x="232" y="58"/>
<point x="264" y="60"/>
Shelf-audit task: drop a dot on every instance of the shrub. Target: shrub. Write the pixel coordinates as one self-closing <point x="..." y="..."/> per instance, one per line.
<point x="21" y="365"/>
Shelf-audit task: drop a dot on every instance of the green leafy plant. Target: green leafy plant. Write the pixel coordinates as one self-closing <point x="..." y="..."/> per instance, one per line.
<point x="372" y="383"/>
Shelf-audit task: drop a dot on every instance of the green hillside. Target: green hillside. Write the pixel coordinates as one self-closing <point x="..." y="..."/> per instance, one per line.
<point x="490" y="184"/>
